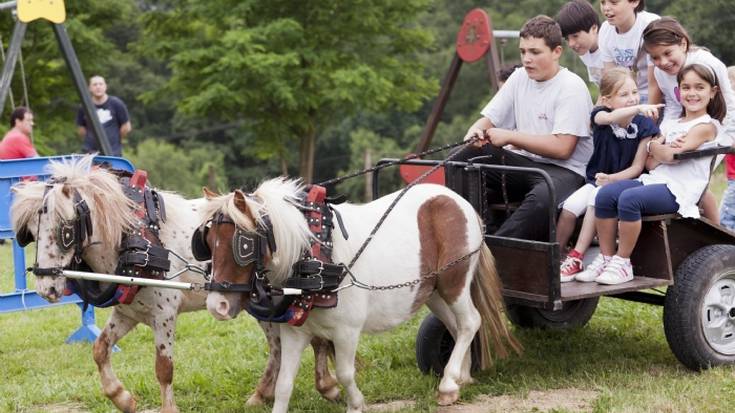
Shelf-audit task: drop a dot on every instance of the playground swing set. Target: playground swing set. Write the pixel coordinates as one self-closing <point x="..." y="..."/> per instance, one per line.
<point x="13" y="171"/>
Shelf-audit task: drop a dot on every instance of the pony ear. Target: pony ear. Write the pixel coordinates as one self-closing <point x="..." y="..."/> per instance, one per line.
<point x="240" y="203"/>
<point x="209" y="194"/>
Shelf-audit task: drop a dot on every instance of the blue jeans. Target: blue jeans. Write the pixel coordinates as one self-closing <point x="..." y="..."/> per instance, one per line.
<point x="727" y="210"/>
<point x="628" y="200"/>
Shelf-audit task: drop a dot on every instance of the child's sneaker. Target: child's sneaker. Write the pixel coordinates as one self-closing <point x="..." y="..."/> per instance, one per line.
<point x="593" y="270"/>
<point x="617" y="271"/>
<point x="569" y="267"/>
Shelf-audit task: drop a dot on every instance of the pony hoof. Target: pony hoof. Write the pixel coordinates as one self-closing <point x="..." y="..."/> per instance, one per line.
<point x="170" y="409"/>
<point x="445" y="399"/>
<point x="125" y="402"/>
<point x="331" y="394"/>
<point x="255" y="400"/>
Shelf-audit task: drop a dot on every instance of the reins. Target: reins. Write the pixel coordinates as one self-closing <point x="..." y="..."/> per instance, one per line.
<point x="353" y="280"/>
<point x="355" y="174"/>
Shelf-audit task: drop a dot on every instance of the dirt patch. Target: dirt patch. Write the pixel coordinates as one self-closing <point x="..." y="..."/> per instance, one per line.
<point x="73" y="408"/>
<point x="390" y="407"/>
<point x="573" y="400"/>
<point x="567" y="399"/>
<point x="63" y="408"/>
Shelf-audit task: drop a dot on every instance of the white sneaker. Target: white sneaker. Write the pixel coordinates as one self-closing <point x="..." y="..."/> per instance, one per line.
<point x="593" y="270"/>
<point x="617" y="271"/>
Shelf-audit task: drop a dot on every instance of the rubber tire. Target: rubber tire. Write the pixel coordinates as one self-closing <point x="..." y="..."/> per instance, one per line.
<point x="683" y="306"/>
<point x="434" y="345"/>
<point x="574" y="314"/>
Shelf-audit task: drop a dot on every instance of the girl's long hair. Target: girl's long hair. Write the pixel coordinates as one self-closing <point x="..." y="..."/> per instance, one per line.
<point x="716" y="107"/>
<point x="666" y="31"/>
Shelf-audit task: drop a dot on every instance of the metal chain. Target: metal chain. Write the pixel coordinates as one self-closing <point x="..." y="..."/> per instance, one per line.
<point x="355" y="281"/>
<point x="392" y="163"/>
<point x="422" y="277"/>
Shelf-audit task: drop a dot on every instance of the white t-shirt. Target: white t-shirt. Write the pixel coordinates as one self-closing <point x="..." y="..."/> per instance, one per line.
<point x="626" y="49"/>
<point x="670" y="89"/>
<point x="593" y="61"/>
<point x="560" y="105"/>
<point x="687" y="179"/>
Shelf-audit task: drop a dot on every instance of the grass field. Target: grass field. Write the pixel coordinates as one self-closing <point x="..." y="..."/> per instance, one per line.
<point x="621" y="358"/>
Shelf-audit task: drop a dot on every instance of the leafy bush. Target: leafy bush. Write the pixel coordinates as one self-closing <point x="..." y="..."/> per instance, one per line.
<point x="182" y="169"/>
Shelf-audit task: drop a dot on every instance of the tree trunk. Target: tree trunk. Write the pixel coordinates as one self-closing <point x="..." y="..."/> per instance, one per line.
<point x="368" y="162"/>
<point x="212" y="178"/>
<point x="306" y="156"/>
<point x="284" y="166"/>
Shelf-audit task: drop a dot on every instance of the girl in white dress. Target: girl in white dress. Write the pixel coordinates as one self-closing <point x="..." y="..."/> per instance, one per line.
<point x="670" y="186"/>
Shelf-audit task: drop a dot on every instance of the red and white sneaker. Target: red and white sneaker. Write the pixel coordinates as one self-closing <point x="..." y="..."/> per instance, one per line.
<point x="619" y="270"/>
<point x="596" y="267"/>
<point x="569" y="267"/>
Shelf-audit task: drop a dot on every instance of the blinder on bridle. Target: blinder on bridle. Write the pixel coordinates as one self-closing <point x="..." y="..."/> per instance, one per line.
<point x="247" y="247"/>
<point x="69" y="234"/>
<point x="24" y="237"/>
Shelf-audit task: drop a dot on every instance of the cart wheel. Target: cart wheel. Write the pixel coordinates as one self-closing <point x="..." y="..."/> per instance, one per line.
<point x="574" y="314"/>
<point x="699" y="310"/>
<point x="434" y="345"/>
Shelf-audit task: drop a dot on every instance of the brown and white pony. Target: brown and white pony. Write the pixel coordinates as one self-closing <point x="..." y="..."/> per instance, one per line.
<point x="111" y="216"/>
<point x="428" y="229"/>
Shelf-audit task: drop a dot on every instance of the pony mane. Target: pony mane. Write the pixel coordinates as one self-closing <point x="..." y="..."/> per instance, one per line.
<point x="111" y="210"/>
<point x="275" y="198"/>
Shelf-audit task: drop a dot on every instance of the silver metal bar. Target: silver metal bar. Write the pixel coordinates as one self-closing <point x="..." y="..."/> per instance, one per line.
<point x="94" y="276"/>
<point x="7" y="5"/>
<point x="506" y="34"/>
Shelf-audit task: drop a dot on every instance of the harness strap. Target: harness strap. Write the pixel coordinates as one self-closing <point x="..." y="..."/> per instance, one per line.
<point x="315" y="275"/>
<point x="155" y="258"/>
<point x="228" y="287"/>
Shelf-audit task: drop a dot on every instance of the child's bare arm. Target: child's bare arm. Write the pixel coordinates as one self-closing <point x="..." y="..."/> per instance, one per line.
<point x="639" y="162"/>
<point x="631" y="172"/>
<point x="623" y="116"/>
<point x="697" y="136"/>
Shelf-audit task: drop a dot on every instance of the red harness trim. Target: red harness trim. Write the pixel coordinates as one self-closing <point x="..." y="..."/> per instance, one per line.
<point x="314" y="198"/>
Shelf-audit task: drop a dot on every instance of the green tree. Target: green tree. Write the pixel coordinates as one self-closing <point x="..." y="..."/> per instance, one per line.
<point x="366" y="148"/>
<point x="185" y="170"/>
<point x="290" y="69"/>
<point x="709" y="23"/>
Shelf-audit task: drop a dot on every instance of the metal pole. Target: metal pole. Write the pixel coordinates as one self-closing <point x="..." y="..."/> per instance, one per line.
<point x="118" y="279"/>
<point x="76" y="71"/>
<point x="13" y="52"/>
<point x="7" y="5"/>
<point x="439" y="104"/>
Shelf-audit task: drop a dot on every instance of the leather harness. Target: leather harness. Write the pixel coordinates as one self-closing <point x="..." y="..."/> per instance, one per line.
<point x="141" y="253"/>
<point x="314" y="274"/>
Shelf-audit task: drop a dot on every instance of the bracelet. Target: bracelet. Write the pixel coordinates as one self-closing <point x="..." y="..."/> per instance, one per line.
<point x="648" y="146"/>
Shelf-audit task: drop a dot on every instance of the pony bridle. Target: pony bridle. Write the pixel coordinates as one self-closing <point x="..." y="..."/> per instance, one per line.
<point x="69" y="233"/>
<point x="248" y="247"/>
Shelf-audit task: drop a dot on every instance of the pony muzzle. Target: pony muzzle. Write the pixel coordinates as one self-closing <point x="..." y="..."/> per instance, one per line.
<point x="224" y="306"/>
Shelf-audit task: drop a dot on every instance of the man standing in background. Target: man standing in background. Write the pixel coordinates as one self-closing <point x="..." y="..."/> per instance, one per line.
<point x="113" y="116"/>
<point x="17" y="142"/>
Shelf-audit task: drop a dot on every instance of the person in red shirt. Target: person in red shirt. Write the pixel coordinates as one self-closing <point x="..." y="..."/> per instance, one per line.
<point x="17" y="142"/>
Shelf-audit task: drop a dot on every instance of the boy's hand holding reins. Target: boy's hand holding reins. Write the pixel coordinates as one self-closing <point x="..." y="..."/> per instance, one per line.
<point x="494" y="136"/>
<point x="479" y="137"/>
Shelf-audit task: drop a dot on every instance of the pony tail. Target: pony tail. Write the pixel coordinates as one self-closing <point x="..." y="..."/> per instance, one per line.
<point x="488" y="299"/>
